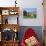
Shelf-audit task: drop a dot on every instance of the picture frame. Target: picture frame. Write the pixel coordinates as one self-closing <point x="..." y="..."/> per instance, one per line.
<point x="5" y="12"/>
<point x="13" y="12"/>
<point x="30" y="13"/>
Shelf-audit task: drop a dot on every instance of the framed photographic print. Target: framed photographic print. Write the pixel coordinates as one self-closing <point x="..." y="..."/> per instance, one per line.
<point x="5" y="12"/>
<point x="11" y="12"/>
<point x="29" y="13"/>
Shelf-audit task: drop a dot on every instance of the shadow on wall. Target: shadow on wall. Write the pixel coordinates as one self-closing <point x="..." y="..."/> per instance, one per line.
<point x="37" y="29"/>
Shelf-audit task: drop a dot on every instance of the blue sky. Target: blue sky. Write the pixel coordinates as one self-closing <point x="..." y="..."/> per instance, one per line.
<point x="30" y="9"/>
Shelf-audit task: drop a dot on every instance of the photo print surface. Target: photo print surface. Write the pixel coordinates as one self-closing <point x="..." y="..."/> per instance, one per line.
<point x="30" y="13"/>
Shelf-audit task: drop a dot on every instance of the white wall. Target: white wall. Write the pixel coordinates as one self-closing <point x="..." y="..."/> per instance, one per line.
<point x="27" y="4"/>
<point x="7" y="3"/>
<point x="32" y="4"/>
